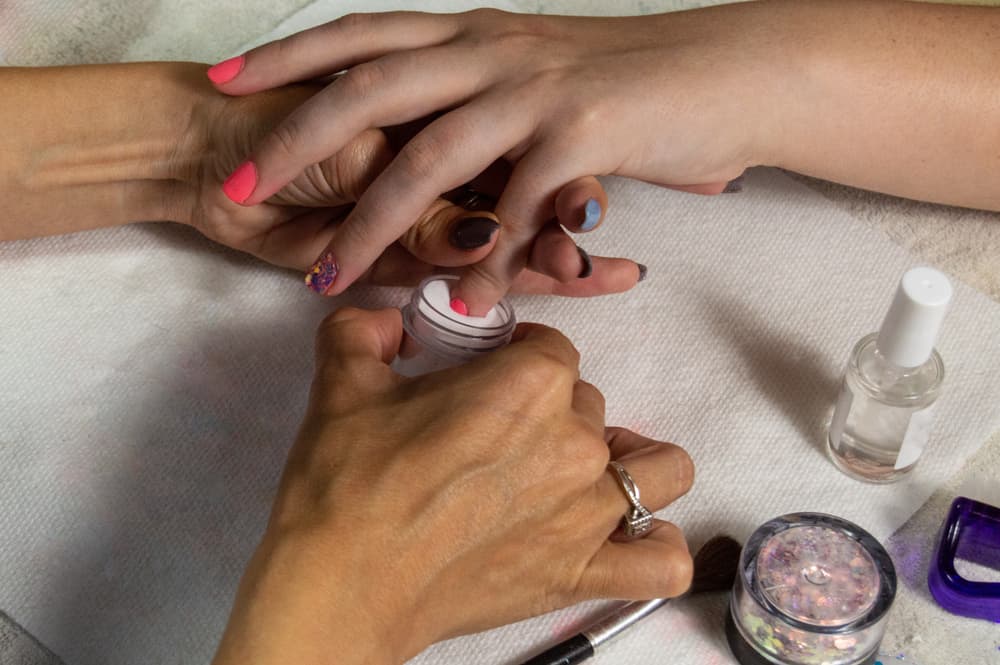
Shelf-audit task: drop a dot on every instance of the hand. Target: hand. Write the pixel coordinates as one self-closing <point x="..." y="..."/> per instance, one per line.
<point x="665" y="99"/>
<point x="293" y="226"/>
<point x="413" y="510"/>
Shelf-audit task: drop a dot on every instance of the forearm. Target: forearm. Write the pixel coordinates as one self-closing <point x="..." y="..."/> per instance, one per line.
<point x="896" y="97"/>
<point x="95" y="146"/>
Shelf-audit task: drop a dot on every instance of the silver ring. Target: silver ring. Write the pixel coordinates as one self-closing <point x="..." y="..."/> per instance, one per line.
<point x="637" y="520"/>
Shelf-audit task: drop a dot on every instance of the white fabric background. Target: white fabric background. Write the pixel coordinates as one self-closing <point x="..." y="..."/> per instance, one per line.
<point x="150" y="383"/>
<point x="153" y="382"/>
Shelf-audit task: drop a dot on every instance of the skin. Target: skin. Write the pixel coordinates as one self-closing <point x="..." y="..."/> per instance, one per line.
<point x="486" y="501"/>
<point x="97" y="146"/>
<point x="410" y="510"/>
<point x="892" y="96"/>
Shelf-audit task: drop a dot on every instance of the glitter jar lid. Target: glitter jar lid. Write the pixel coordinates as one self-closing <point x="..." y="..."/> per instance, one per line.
<point x="819" y="572"/>
<point x="812" y="589"/>
<point x="817" y="575"/>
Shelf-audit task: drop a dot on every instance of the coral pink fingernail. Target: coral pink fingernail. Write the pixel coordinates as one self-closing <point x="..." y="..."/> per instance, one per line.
<point x="323" y="274"/>
<point x="226" y="71"/>
<point x="241" y="183"/>
<point x="458" y="305"/>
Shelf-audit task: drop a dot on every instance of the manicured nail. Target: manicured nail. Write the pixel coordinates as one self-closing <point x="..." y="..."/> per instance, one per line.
<point x="588" y="265"/>
<point x="458" y="305"/>
<point x="241" y="183"/>
<point x="642" y="272"/>
<point x="733" y="186"/>
<point x="322" y="274"/>
<point x="473" y="232"/>
<point x="226" y="71"/>
<point x="591" y="214"/>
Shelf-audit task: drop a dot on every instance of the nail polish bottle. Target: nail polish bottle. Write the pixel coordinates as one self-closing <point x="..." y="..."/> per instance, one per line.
<point x="883" y="417"/>
<point x="437" y="337"/>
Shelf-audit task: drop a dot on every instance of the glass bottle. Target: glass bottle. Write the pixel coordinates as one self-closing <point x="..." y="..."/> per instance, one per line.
<point x="437" y="337"/>
<point x="883" y="417"/>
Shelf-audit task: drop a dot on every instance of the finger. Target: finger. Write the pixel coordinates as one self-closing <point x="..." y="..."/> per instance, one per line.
<point x="555" y="254"/>
<point x="525" y="206"/>
<point x="609" y="276"/>
<point x="448" y="235"/>
<point x="449" y="152"/>
<point x="707" y="189"/>
<point x="588" y="401"/>
<point x="580" y="205"/>
<point x="329" y="48"/>
<point x="658" y="565"/>
<point x="663" y="473"/>
<point x="536" y="338"/>
<point x="354" y="348"/>
<point x="394" y="89"/>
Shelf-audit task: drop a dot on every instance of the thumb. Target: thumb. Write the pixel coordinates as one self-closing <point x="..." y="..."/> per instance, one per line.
<point x="354" y="348"/>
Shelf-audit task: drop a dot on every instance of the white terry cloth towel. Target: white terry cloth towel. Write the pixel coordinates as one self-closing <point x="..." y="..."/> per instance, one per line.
<point x="152" y="383"/>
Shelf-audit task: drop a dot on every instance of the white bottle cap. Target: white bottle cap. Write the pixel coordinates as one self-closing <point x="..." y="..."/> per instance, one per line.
<point x="911" y="325"/>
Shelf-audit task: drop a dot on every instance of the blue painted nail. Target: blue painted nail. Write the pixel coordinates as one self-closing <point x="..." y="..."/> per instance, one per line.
<point x="591" y="214"/>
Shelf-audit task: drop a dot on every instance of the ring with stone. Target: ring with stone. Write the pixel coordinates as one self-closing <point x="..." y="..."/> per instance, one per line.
<point x="637" y="520"/>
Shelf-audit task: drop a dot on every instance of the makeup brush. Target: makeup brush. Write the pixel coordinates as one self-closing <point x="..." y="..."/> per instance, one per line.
<point x="715" y="567"/>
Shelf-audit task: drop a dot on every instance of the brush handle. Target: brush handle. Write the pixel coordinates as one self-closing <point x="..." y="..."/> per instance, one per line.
<point x="568" y="652"/>
<point x="581" y="646"/>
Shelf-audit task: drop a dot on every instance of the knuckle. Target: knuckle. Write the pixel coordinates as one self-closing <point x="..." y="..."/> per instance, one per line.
<point x="331" y="327"/>
<point x="677" y="570"/>
<point x="422" y="155"/>
<point x="287" y="137"/>
<point x="363" y="80"/>
<point x="353" y="22"/>
<point x="685" y="470"/>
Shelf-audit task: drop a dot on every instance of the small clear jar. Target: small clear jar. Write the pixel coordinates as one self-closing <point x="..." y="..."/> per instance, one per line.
<point x="811" y="589"/>
<point x="437" y="337"/>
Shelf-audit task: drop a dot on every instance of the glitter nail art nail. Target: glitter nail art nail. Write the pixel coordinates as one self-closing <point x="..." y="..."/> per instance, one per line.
<point x="322" y="274"/>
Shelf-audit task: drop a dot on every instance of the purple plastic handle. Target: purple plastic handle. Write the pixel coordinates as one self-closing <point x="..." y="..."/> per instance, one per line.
<point x="972" y="533"/>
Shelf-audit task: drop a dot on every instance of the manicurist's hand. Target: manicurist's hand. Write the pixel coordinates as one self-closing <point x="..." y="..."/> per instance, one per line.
<point x="413" y="510"/>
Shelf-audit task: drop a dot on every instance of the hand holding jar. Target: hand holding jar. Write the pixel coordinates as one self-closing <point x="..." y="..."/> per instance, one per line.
<point x="414" y="510"/>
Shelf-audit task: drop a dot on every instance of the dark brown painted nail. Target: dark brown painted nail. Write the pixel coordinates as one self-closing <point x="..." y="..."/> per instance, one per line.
<point x="642" y="272"/>
<point x="472" y="232"/>
<point x="733" y="186"/>
<point x="588" y="265"/>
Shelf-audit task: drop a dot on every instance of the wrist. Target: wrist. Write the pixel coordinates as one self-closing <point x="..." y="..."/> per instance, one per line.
<point x="307" y="598"/>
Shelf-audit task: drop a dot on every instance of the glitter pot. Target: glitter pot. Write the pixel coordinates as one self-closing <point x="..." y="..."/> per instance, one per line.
<point x="811" y="589"/>
<point x="437" y="337"/>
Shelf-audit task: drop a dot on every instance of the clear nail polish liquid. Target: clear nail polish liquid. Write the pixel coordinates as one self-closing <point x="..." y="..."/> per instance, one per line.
<point x="437" y="337"/>
<point x="882" y="420"/>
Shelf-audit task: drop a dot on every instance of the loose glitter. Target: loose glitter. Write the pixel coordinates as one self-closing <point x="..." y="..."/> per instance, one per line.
<point x="812" y="589"/>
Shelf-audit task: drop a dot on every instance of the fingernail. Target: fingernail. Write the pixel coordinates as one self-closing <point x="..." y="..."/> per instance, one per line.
<point x="226" y="71"/>
<point x="241" y="183"/>
<point x="458" y="305"/>
<point x="591" y="214"/>
<point x="733" y="186"/>
<point x="322" y="274"/>
<point x="588" y="265"/>
<point x="473" y="232"/>
<point x="642" y="272"/>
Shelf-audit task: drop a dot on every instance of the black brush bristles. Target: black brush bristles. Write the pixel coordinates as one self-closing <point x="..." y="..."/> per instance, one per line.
<point x="715" y="565"/>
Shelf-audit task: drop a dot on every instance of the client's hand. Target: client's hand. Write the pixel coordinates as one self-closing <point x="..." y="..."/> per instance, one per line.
<point x="295" y="224"/>
<point x="412" y="510"/>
